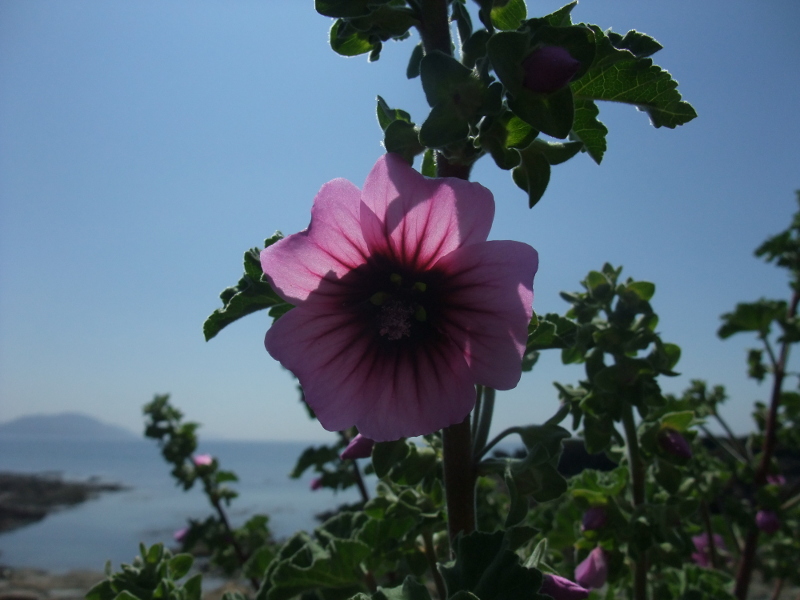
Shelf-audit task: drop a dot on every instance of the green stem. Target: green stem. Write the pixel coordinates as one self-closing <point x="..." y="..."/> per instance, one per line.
<point x="484" y="423"/>
<point x="712" y="547"/>
<point x="460" y="475"/>
<point x="503" y="434"/>
<point x="747" y="562"/>
<point x="430" y="555"/>
<point x="637" y="484"/>
<point x="477" y="410"/>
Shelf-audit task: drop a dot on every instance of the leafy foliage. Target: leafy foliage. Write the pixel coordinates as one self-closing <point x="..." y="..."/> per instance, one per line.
<point x="251" y="294"/>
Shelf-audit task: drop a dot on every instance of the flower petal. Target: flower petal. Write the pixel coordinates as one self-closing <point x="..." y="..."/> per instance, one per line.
<point x="352" y="377"/>
<point x="416" y="220"/>
<point x="488" y="306"/>
<point x="330" y="247"/>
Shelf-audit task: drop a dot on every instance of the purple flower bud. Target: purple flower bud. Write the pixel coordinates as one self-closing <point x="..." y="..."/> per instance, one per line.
<point x="180" y="534"/>
<point x="548" y="69"/>
<point x="703" y="555"/>
<point x="359" y="447"/>
<point x="315" y="484"/>
<point x="203" y="460"/>
<point x="595" y="518"/>
<point x="675" y="444"/>
<point x="776" y="479"/>
<point x="593" y="571"/>
<point x="561" y="588"/>
<point x="768" y="521"/>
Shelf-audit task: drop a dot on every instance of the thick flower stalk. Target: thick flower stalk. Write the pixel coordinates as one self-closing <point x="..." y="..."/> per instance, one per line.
<point x="402" y="305"/>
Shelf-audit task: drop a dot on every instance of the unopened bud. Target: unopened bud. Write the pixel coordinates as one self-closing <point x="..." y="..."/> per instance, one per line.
<point x="203" y="460"/>
<point x="675" y="444"/>
<point x="595" y="518"/>
<point x="561" y="588"/>
<point x="768" y="521"/>
<point x="359" y="447"/>
<point x="315" y="484"/>
<point x="548" y="69"/>
<point x="593" y="571"/>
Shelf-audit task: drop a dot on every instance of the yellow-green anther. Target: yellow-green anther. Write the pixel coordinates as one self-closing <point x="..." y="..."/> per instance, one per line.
<point x="420" y="314"/>
<point x="395" y="279"/>
<point x="419" y="287"/>
<point x="378" y="298"/>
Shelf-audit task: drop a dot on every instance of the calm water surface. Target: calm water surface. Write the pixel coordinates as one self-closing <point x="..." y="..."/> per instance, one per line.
<point x="112" y="526"/>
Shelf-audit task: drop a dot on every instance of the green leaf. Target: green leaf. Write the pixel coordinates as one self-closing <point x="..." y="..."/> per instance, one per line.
<point x="443" y="126"/>
<point x="428" y="168"/>
<point x="755" y="316"/>
<point x="618" y="75"/>
<point x="640" y="44"/>
<point x="342" y="8"/>
<point x="347" y="41"/>
<point x="251" y="294"/>
<point x="463" y="21"/>
<point x="180" y="564"/>
<point x="403" y="138"/>
<point x="557" y="152"/>
<point x="417" y="53"/>
<point x="410" y="590"/>
<point x="536" y="474"/>
<point x="474" y="48"/>
<point x="532" y="175"/>
<point x="679" y="421"/>
<point x="388" y="115"/>
<point x="193" y="587"/>
<point x="315" y="456"/>
<point x="488" y="569"/>
<point x="561" y="17"/>
<point x="442" y="76"/>
<point x="552" y="114"/>
<point x="643" y="289"/>
<point x="589" y="130"/>
<point x="307" y="564"/>
<point x="508" y="15"/>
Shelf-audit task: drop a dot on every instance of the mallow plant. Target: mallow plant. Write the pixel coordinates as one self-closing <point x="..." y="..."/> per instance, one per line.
<point x="400" y="320"/>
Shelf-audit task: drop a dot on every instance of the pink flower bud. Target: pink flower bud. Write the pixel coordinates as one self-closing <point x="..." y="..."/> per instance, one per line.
<point x="703" y="555"/>
<point x="359" y="447"/>
<point x="180" y="534"/>
<point x="548" y="69"/>
<point x="316" y="484"/>
<point x="561" y="588"/>
<point x="593" y="571"/>
<point x="768" y="521"/>
<point x="203" y="460"/>
<point x="595" y="518"/>
<point x="675" y="444"/>
<point x="776" y="479"/>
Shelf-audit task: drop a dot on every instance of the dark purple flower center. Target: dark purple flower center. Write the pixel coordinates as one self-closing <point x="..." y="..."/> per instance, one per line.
<point x="395" y="319"/>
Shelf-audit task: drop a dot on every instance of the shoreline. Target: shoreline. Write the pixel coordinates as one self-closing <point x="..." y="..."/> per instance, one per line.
<point x="27" y="498"/>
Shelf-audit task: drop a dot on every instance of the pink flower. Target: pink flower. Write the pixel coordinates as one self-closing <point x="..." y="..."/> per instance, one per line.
<point x="703" y="555"/>
<point x="776" y="479"/>
<point x="180" y="534"/>
<point x="548" y="69"/>
<point x="593" y="571"/>
<point x="402" y="306"/>
<point x="359" y="447"/>
<point x="315" y="484"/>
<point x="203" y="460"/>
<point x="561" y="588"/>
<point x="768" y="521"/>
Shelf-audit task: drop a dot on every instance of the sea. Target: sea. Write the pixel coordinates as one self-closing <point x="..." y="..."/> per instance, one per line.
<point x="152" y="507"/>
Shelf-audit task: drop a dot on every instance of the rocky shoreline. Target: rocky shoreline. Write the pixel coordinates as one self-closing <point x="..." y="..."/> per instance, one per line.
<point x="27" y="498"/>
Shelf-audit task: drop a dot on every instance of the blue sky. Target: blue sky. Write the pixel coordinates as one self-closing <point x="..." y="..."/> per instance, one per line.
<point x="144" y="146"/>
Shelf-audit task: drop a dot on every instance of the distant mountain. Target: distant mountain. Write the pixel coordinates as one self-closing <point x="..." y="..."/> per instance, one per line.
<point x="64" y="426"/>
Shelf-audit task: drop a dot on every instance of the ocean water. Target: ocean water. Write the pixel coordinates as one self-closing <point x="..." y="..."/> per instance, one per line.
<point x="112" y="526"/>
